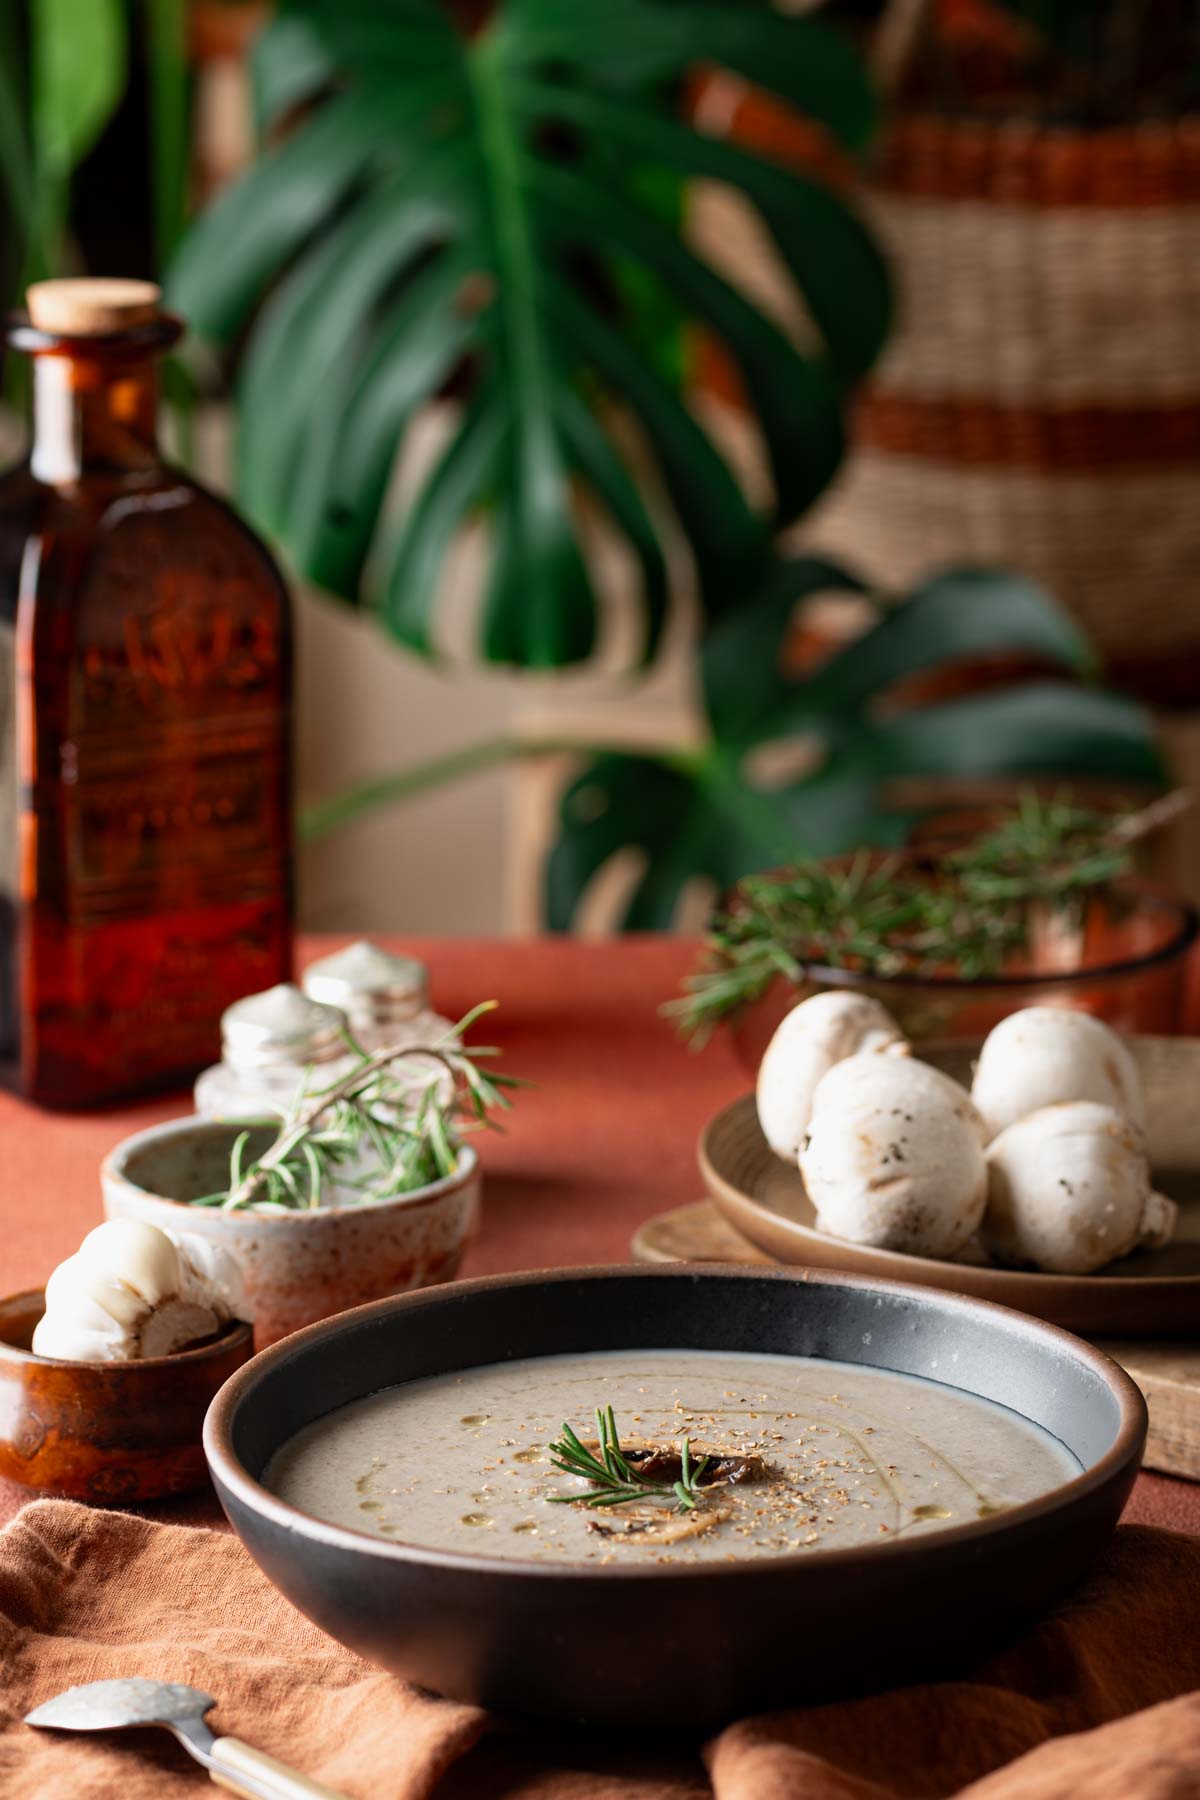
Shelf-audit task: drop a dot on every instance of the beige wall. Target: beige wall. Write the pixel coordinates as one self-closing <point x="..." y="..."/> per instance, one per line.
<point x="465" y="857"/>
<point x="435" y="863"/>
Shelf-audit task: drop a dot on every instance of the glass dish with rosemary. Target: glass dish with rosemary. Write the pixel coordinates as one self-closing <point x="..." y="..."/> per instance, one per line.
<point x="1040" y="904"/>
<point x="665" y="1456"/>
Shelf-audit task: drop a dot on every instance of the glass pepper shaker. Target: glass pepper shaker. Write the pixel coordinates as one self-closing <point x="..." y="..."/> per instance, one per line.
<point x="270" y="1043"/>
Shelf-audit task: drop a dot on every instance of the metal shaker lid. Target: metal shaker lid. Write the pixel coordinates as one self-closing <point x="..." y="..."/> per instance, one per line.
<point x="281" y="1027"/>
<point x="371" y="986"/>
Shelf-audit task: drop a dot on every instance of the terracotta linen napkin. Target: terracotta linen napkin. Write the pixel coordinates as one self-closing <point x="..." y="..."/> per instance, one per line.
<point x="1097" y="1701"/>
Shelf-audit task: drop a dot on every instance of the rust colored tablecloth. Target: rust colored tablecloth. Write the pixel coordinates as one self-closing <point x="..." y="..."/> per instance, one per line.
<point x="87" y="1594"/>
<point x="606" y="1139"/>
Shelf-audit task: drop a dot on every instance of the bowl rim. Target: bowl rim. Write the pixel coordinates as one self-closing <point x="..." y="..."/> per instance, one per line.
<point x="1181" y="940"/>
<point x="112" y="1169"/>
<point x="228" y="1473"/>
<point x="234" y="1333"/>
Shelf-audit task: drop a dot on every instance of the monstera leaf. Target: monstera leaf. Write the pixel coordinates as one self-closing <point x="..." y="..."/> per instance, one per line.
<point x="702" y="813"/>
<point x="483" y="208"/>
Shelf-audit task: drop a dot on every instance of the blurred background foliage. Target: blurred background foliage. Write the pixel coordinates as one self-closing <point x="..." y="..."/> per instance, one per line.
<point x="493" y="213"/>
<point x="94" y="135"/>
<point x="471" y="208"/>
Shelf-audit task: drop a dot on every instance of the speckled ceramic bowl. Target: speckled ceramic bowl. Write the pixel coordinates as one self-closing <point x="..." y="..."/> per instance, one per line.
<point x="298" y="1266"/>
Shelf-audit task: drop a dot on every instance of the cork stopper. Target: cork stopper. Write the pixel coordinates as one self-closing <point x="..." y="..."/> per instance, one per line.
<point x="92" y="306"/>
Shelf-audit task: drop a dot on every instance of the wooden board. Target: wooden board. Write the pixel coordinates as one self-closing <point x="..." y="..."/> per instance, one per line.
<point x="1168" y="1373"/>
<point x="1166" y="1370"/>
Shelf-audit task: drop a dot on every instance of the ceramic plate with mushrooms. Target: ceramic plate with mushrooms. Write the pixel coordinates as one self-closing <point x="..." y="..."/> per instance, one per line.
<point x="1042" y="1166"/>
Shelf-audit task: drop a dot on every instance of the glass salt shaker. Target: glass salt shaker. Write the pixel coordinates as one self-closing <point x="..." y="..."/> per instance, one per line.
<point x="386" y="999"/>
<point x="270" y="1044"/>
<point x="376" y="990"/>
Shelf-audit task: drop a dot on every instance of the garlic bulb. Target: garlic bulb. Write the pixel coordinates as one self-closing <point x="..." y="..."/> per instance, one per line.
<point x="815" y="1036"/>
<point x="894" y="1157"/>
<point x="1047" y="1054"/>
<point x="132" y="1291"/>
<point x="1069" y="1190"/>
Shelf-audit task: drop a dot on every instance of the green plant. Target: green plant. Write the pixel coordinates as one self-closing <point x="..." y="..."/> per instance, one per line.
<point x="64" y="71"/>
<point x="489" y="211"/>
<point x="490" y="208"/>
<point x="709" y="813"/>
<point x="706" y="813"/>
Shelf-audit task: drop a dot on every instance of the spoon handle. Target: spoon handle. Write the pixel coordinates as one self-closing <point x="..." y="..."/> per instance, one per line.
<point x="253" y="1774"/>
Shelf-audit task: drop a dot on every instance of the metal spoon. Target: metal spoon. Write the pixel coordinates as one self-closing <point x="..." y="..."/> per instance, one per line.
<point x="111" y="1705"/>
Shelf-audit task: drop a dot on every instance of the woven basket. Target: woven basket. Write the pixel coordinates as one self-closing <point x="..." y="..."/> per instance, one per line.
<point x="1038" y="405"/>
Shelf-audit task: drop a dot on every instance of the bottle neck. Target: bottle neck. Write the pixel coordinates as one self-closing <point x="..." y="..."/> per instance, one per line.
<point x="95" y="398"/>
<point x="92" y="414"/>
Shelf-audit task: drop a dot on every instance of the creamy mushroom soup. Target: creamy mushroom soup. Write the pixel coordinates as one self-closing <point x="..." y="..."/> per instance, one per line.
<point x="802" y="1455"/>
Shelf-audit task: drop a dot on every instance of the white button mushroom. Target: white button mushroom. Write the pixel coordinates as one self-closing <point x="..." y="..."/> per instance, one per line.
<point x="1069" y="1190"/>
<point x="894" y="1157"/>
<point x="816" y="1035"/>
<point x="1047" y="1054"/>
<point x="133" y="1291"/>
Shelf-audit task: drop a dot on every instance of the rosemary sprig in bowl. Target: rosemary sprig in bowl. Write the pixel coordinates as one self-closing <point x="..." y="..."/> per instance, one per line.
<point x="368" y="1134"/>
<point x="613" y="1479"/>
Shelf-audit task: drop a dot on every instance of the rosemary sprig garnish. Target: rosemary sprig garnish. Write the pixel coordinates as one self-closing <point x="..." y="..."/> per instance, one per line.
<point x="614" y="1479"/>
<point x="369" y="1119"/>
<point x="965" y="913"/>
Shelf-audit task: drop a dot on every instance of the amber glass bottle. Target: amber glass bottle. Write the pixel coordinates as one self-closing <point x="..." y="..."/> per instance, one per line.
<point x="145" y="685"/>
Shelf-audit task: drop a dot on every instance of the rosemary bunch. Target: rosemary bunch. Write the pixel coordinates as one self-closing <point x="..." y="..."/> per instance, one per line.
<point x="614" y="1479"/>
<point x="368" y="1119"/>
<point x="1047" y="851"/>
<point x="964" y="915"/>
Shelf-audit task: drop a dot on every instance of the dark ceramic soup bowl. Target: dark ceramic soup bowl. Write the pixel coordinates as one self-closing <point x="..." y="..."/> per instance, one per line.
<point x="684" y="1645"/>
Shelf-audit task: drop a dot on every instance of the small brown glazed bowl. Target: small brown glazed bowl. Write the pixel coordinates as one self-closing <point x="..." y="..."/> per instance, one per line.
<point x="108" y="1432"/>
<point x="297" y="1266"/>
